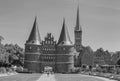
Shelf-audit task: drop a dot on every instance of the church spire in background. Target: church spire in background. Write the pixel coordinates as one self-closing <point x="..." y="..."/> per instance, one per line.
<point x="78" y="32"/>
<point x="78" y="27"/>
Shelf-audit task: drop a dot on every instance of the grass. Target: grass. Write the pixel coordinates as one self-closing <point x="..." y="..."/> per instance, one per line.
<point x="58" y="77"/>
<point x="21" y="77"/>
<point x="75" y="77"/>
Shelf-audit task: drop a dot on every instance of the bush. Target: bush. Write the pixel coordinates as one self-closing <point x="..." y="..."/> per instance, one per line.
<point x="9" y="70"/>
<point x="3" y="70"/>
<point x="75" y="70"/>
<point x="25" y="71"/>
<point x="19" y="69"/>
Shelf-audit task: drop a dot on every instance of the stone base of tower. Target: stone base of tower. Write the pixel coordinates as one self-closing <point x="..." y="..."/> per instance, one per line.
<point x="32" y="66"/>
<point x="64" y="67"/>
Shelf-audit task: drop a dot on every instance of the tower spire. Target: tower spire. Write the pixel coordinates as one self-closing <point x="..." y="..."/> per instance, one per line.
<point x="78" y="32"/>
<point x="34" y="37"/>
<point x="78" y="27"/>
<point x="64" y="38"/>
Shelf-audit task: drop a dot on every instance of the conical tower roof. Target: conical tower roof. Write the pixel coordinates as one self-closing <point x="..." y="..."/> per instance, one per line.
<point x="64" y="38"/>
<point x="34" y="37"/>
<point x="78" y="26"/>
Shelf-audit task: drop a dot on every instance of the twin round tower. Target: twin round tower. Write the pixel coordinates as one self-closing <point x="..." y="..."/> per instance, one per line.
<point x="58" y="55"/>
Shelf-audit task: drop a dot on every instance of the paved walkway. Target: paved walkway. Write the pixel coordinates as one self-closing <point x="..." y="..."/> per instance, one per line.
<point x="45" y="77"/>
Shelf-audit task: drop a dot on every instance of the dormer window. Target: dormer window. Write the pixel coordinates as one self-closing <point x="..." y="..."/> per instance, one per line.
<point x="38" y="49"/>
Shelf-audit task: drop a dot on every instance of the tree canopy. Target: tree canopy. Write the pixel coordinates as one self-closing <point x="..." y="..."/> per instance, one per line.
<point x="11" y="54"/>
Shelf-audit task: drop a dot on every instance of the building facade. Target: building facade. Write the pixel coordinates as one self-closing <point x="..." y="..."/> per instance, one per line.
<point x="101" y="57"/>
<point x="62" y="56"/>
<point x="40" y="54"/>
<point x="48" y="57"/>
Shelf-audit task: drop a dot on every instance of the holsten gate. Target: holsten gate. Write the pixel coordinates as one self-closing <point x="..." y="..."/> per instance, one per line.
<point x="58" y="55"/>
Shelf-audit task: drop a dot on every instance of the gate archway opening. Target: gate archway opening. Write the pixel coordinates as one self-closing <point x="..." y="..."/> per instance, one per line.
<point x="48" y="69"/>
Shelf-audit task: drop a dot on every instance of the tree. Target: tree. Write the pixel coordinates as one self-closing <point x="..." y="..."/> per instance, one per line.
<point x="10" y="54"/>
<point x="16" y="54"/>
<point x="1" y="38"/>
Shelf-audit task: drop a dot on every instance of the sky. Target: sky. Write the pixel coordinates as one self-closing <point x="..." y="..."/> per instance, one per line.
<point x="100" y="20"/>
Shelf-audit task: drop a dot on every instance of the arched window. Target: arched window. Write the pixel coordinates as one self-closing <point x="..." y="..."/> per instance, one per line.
<point x="48" y="42"/>
<point x="30" y="47"/>
<point x="38" y="49"/>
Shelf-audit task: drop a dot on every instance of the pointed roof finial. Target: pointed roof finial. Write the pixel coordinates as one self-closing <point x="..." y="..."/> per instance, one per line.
<point x="78" y="27"/>
<point x="34" y="37"/>
<point x="78" y="2"/>
<point x="64" y="38"/>
<point x="63" y="21"/>
<point x="35" y="17"/>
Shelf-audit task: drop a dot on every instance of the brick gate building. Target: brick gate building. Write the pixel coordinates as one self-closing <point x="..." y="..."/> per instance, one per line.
<point x="39" y="54"/>
<point x="58" y="55"/>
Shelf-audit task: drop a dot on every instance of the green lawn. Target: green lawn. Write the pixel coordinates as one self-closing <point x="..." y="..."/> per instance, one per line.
<point x="74" y="77"/>
<point x="21" y="77"/>
<point x="58" y="77"/>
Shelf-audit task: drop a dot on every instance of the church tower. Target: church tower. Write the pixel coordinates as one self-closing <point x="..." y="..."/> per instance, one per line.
<point x="78" y="33"/>
<point x="65" y="49"/>
<point x="33" y="49"/>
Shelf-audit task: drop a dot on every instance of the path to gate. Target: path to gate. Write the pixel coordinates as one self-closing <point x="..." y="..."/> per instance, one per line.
<point x="45" y="77"/>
